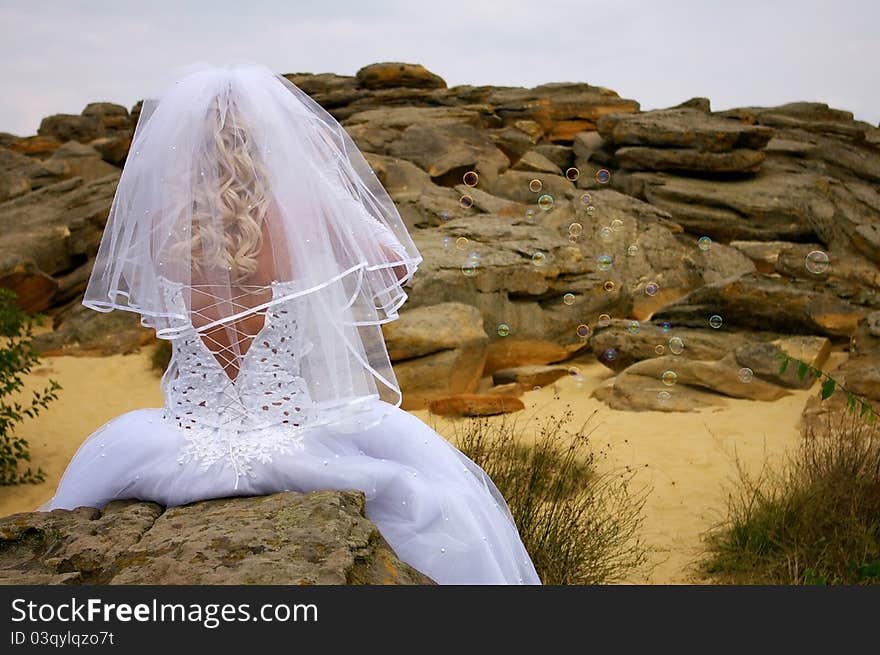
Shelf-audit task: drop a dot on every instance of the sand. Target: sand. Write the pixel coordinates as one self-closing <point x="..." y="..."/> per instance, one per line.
<point x="684" y="460"/>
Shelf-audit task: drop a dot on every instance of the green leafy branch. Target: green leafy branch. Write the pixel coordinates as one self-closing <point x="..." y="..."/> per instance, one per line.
<point x="830" y="385"/>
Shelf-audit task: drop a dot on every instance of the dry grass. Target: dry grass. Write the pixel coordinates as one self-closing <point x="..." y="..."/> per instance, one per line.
<point x="814" y="520"/>
<point x="578" y="525"/>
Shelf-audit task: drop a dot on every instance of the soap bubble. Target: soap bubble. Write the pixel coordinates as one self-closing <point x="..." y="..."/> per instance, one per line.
<point x="503" y="329"/>
<point x="715" y="321"/>
<point x="633" y="250"/>
<point x="466" y="201"/>
<point x="633" y="327"/>
<point x="575" y="229"/>
<point x="817" y="262"/>
<point x="704" y="243"/>
<point x="603" y="176"/>
<point x="530" y="214"/>
<point x="461" y="243"/>
<point x="539" y="258"/>
<point x="545" y="201"/>
<point x="666" y="326"/>
<point x="606" y="234"/>
<point x="568" y="299"/>
<point x="469" y="269"/>
<point x="586" y="199"/>
<point x="745" y="374"/>
<point x="604" y="320"/>
<point x="676" y="345"/>
<point x="583" y="330"/>
<point x="663" y="397"/>
<point x="536" y="185"/>
<point x="572" y="174"/>
<point x="574" y="370"/>
<point x="609" y="285"/>
<point x="660" y="349"/>
<point x="609" y="355"/>
<point x="669" y="378"/>
<point x="604" y="262"/>
<point x="470" y="178"/>
<point x="651" y="288"/>
<point x="617" y="225"/>
<point x="445" y="215"/>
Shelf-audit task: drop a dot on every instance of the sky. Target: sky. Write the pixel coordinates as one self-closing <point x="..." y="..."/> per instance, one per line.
<point x="56" y="56"/>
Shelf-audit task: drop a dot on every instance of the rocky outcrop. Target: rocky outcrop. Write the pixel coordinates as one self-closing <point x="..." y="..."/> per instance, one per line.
<point x="764" y="216"/>
<point x="438" y="351"/>
<point x="684" y="139"/>
<point x="286" y="538"/>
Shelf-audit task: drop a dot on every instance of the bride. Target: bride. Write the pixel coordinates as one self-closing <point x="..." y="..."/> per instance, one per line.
<point x="249" y="231"/>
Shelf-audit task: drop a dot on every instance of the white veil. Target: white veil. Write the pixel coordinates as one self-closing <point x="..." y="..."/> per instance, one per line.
<point x="237" y="179"/>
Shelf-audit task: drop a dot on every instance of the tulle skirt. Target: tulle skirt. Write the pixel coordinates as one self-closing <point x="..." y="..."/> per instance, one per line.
<point x="438" y="510"/>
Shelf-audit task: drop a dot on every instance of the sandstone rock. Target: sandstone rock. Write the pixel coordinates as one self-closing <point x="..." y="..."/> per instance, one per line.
<point x="765" y="303"/>
<point x="508" y="287"/>
<point x="637" y="393"/>
<point x="721" y="376"/>
<point x="866" y="338"/>
<point x="530" y="376"/>
<point x="476" y="405"/>
<point x="285" y="538"/>
<point x="534" y="161"/>
<point x="113" y="149"/>
<point x="450" y="150"/>
<point x="35" y="146"/>
<point x="562" y="109"/>
<point x="53" y="230"/>
<point x="84" y="161"/>
<point x="437" y="351"/>
<point x="394" y="74"/>
<point x="739" y="160"/>
<point x="561" y="156"/>
<point x="682" y="128"/>
<point x="651" y="340"/>
<point x="70" y="127"/>
<point x="763" y="358"/>
<point x="81" y="331"/>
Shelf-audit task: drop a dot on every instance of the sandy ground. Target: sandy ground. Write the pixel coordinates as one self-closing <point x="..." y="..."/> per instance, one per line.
<point x="684" y="460"/>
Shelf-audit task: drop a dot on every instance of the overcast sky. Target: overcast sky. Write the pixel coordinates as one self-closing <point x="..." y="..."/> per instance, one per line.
<point x="57" y="56"/>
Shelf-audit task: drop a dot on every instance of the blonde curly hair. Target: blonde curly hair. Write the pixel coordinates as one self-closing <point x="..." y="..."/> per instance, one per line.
<point x="229" y="208"/>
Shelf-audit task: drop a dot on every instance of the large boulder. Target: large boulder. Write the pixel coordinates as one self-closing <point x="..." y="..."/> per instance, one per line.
<point x="386" y="75"/>
<point x="286" y="538"/>
<point x="437" y="351"/>
<point x="50" y="232"/>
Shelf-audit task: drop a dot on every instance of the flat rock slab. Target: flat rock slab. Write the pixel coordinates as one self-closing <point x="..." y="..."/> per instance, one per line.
<point x="473" y="404"/>
<point x="286" y="538"/>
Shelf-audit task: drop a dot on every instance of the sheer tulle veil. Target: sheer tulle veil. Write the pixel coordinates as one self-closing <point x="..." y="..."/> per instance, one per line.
<point x="236" y="180"/>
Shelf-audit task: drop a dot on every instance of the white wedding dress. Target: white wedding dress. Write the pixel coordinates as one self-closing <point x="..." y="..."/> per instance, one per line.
<point x="261" y="433"/>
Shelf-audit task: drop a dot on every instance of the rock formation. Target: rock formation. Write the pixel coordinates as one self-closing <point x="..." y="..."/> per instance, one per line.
<point x="588" y="215"/>
<point x="285" y="538"/>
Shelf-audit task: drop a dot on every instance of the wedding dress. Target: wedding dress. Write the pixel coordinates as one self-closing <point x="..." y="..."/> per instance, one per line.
<point x="302" y="411"/>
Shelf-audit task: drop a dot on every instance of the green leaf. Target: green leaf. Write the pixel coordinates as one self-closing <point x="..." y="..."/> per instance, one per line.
<point x="851" y="401"/>
<point x="784" y="365"/>
<point x="802" y="370"/>
<point x="865" y="409"/>
<point x="828" y="388"/>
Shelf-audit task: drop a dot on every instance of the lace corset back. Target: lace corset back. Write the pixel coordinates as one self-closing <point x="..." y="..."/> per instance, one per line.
<point x="265" y="409"/>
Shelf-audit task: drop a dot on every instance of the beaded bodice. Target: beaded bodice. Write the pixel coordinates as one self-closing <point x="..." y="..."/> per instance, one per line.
<point x="265" y="409"/>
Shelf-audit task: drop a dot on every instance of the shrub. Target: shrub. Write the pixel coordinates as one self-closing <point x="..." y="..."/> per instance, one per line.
<point x="813" y="520"/>
<point x="578" y="525"/>
<point x="17" y="357"/>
